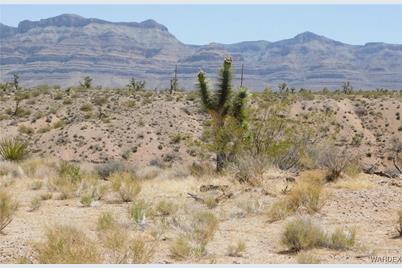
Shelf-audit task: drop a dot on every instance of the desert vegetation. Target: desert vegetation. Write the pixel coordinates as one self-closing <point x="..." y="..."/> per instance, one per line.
<point x="132" y="175"/>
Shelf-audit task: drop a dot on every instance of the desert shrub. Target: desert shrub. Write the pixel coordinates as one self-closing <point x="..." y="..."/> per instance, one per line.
<point x="67" y="245"/>
<point x="59" y="124"/>
<point x="35" y="204"/>
<point x="237" y="250"/>
<point x="250" y="168"/>
<point x="26" y="130"/>
<point x="100" y="100"/>
<point x="193" y="241"/>
<point x="105" y="221"/>
<point x="211" y="202"/>
<point x="334" y="160"/>
<point x="139" y="211"/>
<point x="68" y="180"/>
<point x="205" y="224"/>
<point x="91" y="188"/>
<point x="166" y="208"/>
<point x="107" y="169"/>
<point x="200" y="169"/>
<point x="301" y="234"/>
<point x="308" y="194"/>
<point x="7" y="210"/>
<point x="399" y="224"/>
<point x="36" y="185"/>
<point x="180" y="249"/>
<point x="86" y="200"/>
<point x="126" y="184"/>
<point x="86" y="107"/>
<point x="342" y="239"/>
<point x="141" y="251"/>
<point x="250" y="204"/>
<point x="304" y="258"/>
<point x="13" y="149"/>
<point x="44" y="129"/>
<point x="46" y="196"/>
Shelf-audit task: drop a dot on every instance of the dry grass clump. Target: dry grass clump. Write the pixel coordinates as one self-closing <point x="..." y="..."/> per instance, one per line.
<point x="193" y="242"/>
<point x="91" y="189"/>
<point x="35" y="204"/>
<point x="301" y="233"/>
<point x="308" y="194"/>
<point x="305" y="258"/>
<point x="354" y="184"/>
<point x="67" y="245"/>
<point x="68" y="180"/>
<point x="13" y="149"/>
<point x="7" y="210"/>
<point x="36" y="185"/>
<point x="140" y="250"/>
<point x="120" y="248"/>
<point x="342" y="239"/>
<point x="139" y="211"/>
<point x="105" y="221"/>
<point x="237" y="250"/>
<point x="166" y="208"/>
<point x="126" y="185"/>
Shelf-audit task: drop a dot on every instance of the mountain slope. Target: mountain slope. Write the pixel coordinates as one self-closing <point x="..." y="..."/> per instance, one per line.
<point x="63" y="49"/>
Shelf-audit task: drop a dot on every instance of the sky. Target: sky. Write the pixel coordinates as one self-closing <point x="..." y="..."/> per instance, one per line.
<point x="203" y="24"/>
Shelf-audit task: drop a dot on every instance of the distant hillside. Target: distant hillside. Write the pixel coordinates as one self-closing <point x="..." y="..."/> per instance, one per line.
<point x="63" y="49"/>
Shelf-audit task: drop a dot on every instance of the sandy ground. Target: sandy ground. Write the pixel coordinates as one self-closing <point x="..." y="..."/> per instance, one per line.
<point x="371" y="209"/>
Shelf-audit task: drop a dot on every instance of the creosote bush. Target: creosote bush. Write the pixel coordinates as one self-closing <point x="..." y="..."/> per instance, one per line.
<point x="7" y="210"/>
<point x="126" y="184"/>
<point x="13" y="149"/>
<point x="67" y="245"/>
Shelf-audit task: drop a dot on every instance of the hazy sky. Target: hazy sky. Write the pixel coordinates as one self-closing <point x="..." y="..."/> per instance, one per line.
<point x="202" y="24"/>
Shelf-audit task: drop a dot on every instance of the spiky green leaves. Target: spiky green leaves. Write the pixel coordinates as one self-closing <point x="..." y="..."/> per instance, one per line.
<point x="239" y="103"/>
<point x="225" y="85"/>
<point x="203" y="87"/>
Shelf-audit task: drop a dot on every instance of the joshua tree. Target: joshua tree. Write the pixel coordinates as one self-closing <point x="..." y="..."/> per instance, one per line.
<point x="135" y="85"/>
<point x="16" y="82"/>
<point x="223" y="103"/>
<point x="347" y="88"/>
<point x="87" y="82"/>
<point x="283" y="87"/>
<point x="173" y="82"/>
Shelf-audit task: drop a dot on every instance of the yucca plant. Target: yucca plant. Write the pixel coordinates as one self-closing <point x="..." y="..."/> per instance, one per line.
<point x="222" y="104"/>
<point x="13" y="149"/>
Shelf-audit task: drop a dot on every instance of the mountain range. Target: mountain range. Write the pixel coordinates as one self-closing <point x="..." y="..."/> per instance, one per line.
<point x="62" y="50"/>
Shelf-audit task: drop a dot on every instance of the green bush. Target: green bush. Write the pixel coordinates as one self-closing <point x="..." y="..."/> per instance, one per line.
<point x="13" y="149"/>
<point x="303" y="234"/>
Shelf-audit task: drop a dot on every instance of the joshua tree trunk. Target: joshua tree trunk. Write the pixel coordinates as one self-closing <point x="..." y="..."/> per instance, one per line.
<point x="220" y="161"/>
